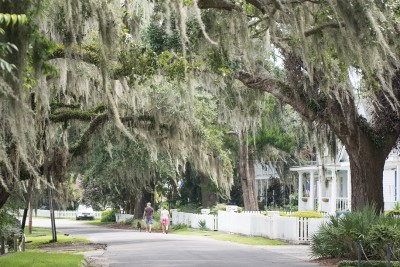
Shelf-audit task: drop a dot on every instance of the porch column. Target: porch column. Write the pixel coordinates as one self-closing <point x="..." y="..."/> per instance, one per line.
<point x="319" y="192"/>
<point x="334" y="192"/>
<point x="300" y="194"/>
<point x="312" y="191"/>
<point x="349" y="188"/>
<point x="398" y="181"/>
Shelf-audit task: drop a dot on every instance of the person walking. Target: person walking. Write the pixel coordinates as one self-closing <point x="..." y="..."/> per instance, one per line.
<point x="148" y="216"/>
<point x="164" y="220"/>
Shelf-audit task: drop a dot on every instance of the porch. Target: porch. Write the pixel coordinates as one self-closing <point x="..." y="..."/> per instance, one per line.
<point x="325" y="190"/>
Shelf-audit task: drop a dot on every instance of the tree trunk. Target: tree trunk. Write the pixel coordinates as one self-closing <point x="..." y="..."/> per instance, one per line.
<point x="208" y="198"/>
<point x="27" y="204"/>
<point x="366" y="166"/>
<point x="247" y="176"/>
<point x="139" y="207"/>
<point x="4" y="195"/>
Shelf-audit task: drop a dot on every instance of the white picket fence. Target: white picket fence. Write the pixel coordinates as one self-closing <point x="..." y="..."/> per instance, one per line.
<point x="122" y="217"/>
<point x="59" y="213"/>
<point x="193" y="220"/>
<point x="293" y="229"/>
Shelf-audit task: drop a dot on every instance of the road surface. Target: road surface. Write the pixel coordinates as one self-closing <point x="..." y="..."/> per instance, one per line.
<point x="132" y="248"/>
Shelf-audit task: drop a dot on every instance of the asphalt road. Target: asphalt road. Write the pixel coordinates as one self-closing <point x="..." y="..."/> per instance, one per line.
<point x="131" y="248"/>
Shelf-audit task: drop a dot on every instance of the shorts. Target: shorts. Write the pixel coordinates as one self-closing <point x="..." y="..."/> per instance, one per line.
<point x="164" y="220"/>
<point x="149" y="220"/>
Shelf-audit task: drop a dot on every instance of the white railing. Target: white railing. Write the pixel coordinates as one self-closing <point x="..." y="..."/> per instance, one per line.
<point x="59" y="213"/>
<point x="193" y="220"/>
<point x="292" y="229"/>
<point x="342" y="203"/>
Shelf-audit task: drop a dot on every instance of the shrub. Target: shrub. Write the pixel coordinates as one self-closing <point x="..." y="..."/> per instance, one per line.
<point x="189" y="208"/>
<point x="108" y="216"/>
<point x="128" y="221"/>
<point x="307" y="214"/>
<point x="202" y="225"/>
<point x="138" y="223"/>
<point x="368" y="263"/>
<point x="395" y="211"/>
<point x="219" y="206"/>
<point x="180" y="226"/>
<point x="340" y="236"/>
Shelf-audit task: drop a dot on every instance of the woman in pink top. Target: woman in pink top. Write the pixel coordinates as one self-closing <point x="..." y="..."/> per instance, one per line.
<point x="164" y="220"/>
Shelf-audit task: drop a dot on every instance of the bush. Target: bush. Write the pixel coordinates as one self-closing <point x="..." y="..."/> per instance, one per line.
<point x="108" y="216"/>
<point x="340" y="236"/>
<point x="189" y="208"/>
<point x="138" y="223"/>
<point x="128" y="221"/>
<point x="180" y="226"/>
<point x="368" y="263"/>
<point x="214" y="209"/>
<point x="202" y="225"/>
<point x="306" y="214"/>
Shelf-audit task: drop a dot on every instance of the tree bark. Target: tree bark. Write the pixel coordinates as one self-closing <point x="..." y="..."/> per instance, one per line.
<point x="208" y="198"/>
<point x="366" y="179"/>
<point x="139" y="207"/>
<point x="4" y="195"/>
<point x="247" y="176"/>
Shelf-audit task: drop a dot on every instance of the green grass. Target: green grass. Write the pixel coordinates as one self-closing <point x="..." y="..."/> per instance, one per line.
<point x="40" y="259"/>
<point x="42" y="236"/>
<point x="248" y="240"/>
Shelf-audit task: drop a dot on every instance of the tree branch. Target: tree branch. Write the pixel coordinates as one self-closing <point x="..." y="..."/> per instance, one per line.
<point x="318" y="29"/>
<point x="263" y="81"/>
<point x="218" y="4"/>
<point x="67" y="115"/>
<point x="81" y="145"/>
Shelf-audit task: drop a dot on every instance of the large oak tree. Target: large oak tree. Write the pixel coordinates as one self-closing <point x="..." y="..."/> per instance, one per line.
<point x="341" y="70"/>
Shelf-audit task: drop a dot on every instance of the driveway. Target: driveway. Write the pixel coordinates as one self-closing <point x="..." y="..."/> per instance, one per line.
<point x="131" y="248"/>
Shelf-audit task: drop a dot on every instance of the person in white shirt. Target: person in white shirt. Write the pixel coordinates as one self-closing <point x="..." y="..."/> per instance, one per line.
<point x="164" y="220"/>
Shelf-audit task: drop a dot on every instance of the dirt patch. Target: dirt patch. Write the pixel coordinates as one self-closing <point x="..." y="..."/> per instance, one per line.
<point x="118" y="226"/>
<point x="327" y="262"/>
<point x="72" y="246"/>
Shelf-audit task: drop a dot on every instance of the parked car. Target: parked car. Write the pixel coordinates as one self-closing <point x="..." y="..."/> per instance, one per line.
<point x="84" y="212"/>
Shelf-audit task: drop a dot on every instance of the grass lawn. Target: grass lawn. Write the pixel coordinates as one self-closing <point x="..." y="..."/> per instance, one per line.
<point x="40" y="259"/>
<point x="248" y="240"/>
<point x="42" y="236"/>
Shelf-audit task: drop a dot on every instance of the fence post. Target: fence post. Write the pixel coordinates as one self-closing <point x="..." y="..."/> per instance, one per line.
<point x="359" y="252"/>
<point x="388" y="254"/>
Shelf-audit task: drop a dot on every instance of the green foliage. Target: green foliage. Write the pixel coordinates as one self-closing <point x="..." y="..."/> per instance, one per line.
<point x="108" y="216"/>
<point x="371" y="263"/>
<point x="8" y="223"/>
<point x="307" y="214"/>
<point x="159" y="40"/>
<point x="339" y="237"/>
<point x="41" y="259"/>
<point x="203" y="226"/>
<point x="12" y="18"/>
<point x="141" y="64"/>
<point x="219" y="206"/>
<point x="180" y="226"/>
<point x="395" y="211"/>
<point x="190" y="208"/>
<point x="218" y="61"/>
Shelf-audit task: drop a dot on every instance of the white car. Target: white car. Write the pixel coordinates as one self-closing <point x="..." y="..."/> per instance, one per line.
<point x="84" y="212"/>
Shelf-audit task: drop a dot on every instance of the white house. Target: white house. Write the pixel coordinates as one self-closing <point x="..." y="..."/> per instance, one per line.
<point x="332" y="192"/>
<point x="263" y="173"/>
